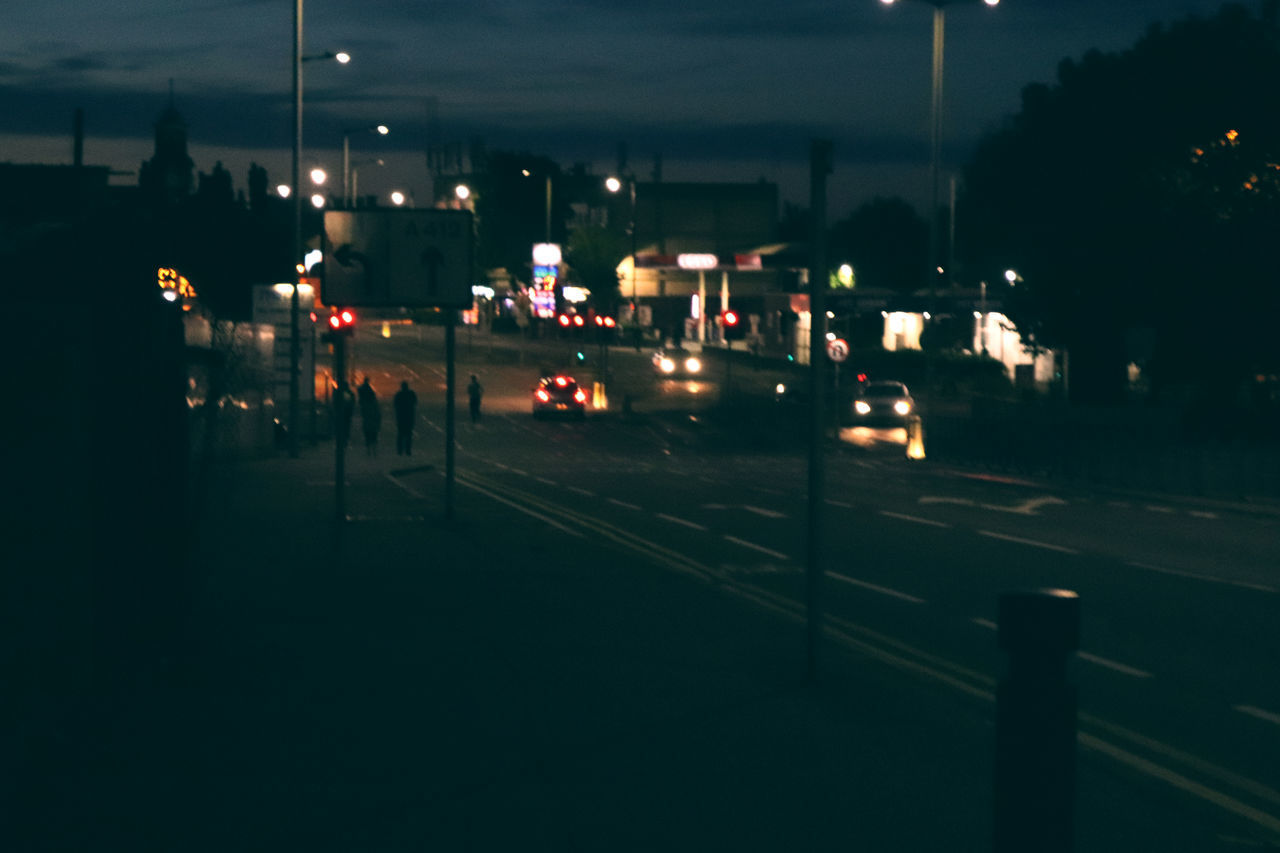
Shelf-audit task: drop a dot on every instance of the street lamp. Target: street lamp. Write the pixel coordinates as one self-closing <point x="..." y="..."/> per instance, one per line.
<point x="614" y="185"/>
<point x="935" y="131"/>
<point x="295" y="345"/>
<point x="347" y="191"/>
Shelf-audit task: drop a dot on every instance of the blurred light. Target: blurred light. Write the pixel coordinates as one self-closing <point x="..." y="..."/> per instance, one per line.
<point x="319" y="176"/>
<point x="283" y="190"/>
<point x="612" y="184"/>
<point x="170" y="295"/>
<point x="317" y="201"/>
<point x="780" y="388"/>
<point x="697" y="261"/>
<point x="546" y="254"/>
<point x="310" y="259"/>
<point x="342" y="56"/>
<point x="574" y="294"/>
<point x="862" y="407"/>
<point x="831" y="336"/>
<point x="397" y="198"/>
<point x="1010" y="276"/>
<point x="462" y="191"/>
<point x="902" y="407"/>
<point x="383" y="129"/>
<point x="666" y="365"/>
<point x="692" y="365"/>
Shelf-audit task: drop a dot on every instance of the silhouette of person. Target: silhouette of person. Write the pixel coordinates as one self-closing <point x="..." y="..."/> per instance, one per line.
<point x="405" y="403"/>
<point x="474" y="392"/>
<point x="370" y="416"/>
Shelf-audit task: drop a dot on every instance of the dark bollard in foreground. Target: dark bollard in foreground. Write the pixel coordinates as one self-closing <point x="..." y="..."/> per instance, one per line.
<point x="1036" y="723"/>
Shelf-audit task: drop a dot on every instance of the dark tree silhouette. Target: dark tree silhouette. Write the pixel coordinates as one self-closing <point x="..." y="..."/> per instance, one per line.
<point x="1135" y="197"/>
<point x="884" y="241"/>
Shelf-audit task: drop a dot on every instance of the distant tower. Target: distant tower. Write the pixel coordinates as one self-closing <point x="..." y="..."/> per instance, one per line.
<point x="167" y="176"/>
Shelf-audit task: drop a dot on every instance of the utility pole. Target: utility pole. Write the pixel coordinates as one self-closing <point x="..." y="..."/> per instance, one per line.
<point x="820" y="167"/>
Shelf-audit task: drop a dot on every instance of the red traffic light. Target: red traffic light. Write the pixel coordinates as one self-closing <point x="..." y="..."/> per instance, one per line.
<point x="730" y="318"/>
<point x="342" y="321"/>
<point x="577" y="320"/>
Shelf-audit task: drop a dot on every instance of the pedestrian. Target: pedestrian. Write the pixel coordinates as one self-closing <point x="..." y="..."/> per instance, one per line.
<point x="370" y="416"/>
<point x="474" y="392"/>
<point x="405" y="403"/>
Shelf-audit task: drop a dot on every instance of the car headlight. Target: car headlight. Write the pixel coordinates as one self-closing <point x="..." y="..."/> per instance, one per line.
<point x="666" y="365"/>
<point x="862" y="407"/>
<point x="902" y="407"/>
<point x="692" y="365"/>
<point x="780" y="388"/>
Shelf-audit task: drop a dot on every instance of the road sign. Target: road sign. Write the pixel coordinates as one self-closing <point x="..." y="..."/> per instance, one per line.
<point x="398" y="258"/>
<point x="838" y="350"/>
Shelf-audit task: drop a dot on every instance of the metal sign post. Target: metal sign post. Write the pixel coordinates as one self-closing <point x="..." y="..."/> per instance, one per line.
<point x="404" y="258"/>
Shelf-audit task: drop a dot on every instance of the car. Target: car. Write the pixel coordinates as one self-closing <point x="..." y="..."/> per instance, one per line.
<point x="676" y="362"/>
<point x="883" y="402"/>
<point x="559" y="394"/>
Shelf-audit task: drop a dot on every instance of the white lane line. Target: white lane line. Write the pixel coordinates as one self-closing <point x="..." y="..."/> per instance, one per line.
<point x="1168" y="510"/>
<point x="1110" y="664"/>
<point x="1094" y="659"/>
<point x="767" y="513"/>
<point x="579" y="491"/>
<point x="546" y="482"/>
<point x="912" y="518"/>
<point x="518" y="471"/>
<point x="623" y="504"/>
<point x="754" y="547"/>
<point x="1253" y="711"/>
<point x="1202" y="513"/>
<point x="1199" y="577"/>
<point x="715" y="506"/>
<point x="883" y="590"/>
<point x="407" y="488"/>
<point x="1034" y="543"/>
<point x="840" y="504"/>
<point x="671" y="518"/>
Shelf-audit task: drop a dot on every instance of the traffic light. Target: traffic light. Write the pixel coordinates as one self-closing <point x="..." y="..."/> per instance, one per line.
<point x="731" y="323"/>
<point x="342" y="323"/>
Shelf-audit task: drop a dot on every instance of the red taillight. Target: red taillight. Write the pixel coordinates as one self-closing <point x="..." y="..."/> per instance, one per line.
<point x="608" y="321"/>
<point x="580" y="396"/>
<point x="564" y="319"/>
<point x="577" y="320"/>
<point x="542" y="395"/>
<point x="334" y="321"/>
<point x="561" y="381"/>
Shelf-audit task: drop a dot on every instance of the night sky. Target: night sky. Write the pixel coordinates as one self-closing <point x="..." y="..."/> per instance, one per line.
<point x="723" y="90"/>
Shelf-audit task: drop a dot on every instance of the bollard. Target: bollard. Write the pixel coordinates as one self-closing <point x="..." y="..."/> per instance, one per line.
<point x="1036" y="723"/>
<point x="915" y="437"/>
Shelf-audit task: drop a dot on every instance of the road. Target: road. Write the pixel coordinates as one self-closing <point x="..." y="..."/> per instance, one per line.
<point x="1177" y="669"/>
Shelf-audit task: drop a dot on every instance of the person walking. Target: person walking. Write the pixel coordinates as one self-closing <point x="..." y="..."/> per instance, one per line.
<point x="370" y="416"/>
<point x="474" y="392"/>
<point x="405" y="403"/>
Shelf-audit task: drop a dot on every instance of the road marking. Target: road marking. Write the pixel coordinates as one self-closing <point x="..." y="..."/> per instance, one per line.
<point x="1110" y="664"/>
<point x="1168" y="510"/>
<point x="840" y="504"/>
<point x="623" y="504"/>
<point x="518" y="471"/>
<point x="883" y="590"/>
<point x="715" y="506"/>
<point x="390" y="476"/>
<point x="1094" y="659"/>
<point x="1258" y="712"/>
<point x="753" y="546"/>
<point x="1202" y="513"/>
<point x="1027" y="507"/>
<point x="580" y="491"/>
<point x="1199" y="577"/>
<point x="546" y="482"/>
<point x="933" y="499"/>
<point x="912" y="518"/>
<point x="1048" y="546"/>
<point x="767" y="513"/>
<point x="523" y="509"/>
<point x="671" y="518"/>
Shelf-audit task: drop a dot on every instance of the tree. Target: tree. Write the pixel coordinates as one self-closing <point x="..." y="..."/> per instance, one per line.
<point x="1134" y="196"/>
<point x="884" y="241"/>
<point x="594" y="254"/>
<point x="511" y="209"/>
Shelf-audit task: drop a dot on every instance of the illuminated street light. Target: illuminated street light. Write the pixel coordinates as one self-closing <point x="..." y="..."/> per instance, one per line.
<point x="317" y="200"/>
<point x="319" y="176"/>
<point x="295" y="342"/>
<point x="462" y="191"/>
<point x="397" y="198"/>
<point x="347" y="191"/>
<point x="283" y="190"/>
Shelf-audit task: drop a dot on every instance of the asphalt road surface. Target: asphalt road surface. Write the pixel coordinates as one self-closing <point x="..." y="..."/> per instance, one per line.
<point x="1180" y="650"/>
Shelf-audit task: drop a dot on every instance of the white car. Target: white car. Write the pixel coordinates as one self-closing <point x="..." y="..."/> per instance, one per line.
<point x="676" y="363"/>
<point x="883" y="403"/>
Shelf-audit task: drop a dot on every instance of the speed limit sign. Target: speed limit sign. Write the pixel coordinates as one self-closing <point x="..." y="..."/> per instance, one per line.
<point x="837" y="350"/>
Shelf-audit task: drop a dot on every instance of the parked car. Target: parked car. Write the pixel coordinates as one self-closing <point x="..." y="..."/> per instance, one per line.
<point x="883" y="403"/>
<point x="675" y="362"/>
<point x="559" y="394"/>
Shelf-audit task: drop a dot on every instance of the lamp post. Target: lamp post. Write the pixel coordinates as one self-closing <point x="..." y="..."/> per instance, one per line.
<point x="355" y="175"/>
<point x="614" y="185"/>
<point x="347" y="189"/>
<point x="295" y="345"/>
<point x="935" y="158"/>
